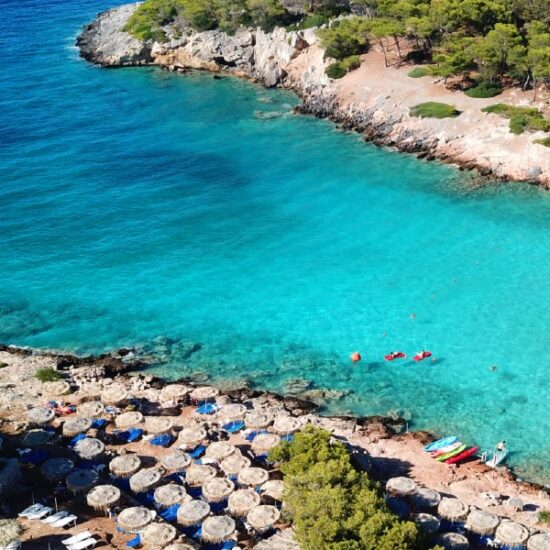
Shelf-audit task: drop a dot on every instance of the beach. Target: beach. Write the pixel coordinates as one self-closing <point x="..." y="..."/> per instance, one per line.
<point x="381" y="445"/>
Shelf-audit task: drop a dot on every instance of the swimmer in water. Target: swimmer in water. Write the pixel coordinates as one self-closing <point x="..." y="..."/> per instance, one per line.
<point x="413" y="316"/>
<point x="493" y="368"/>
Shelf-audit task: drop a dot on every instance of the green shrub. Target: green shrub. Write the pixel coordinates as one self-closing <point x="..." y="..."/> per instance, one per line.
<point x="345" y="38"/>
<point x="521" y="118"/>
<point x="336" y="70"/>
<point x="331" y="504"/>
<point x="546" y="142"/>
<point x="419" y="72"/>
<point x="352" y="62"/>
<point x="3" y="365"/>
<point x="48" y="374"/>
<point x="484" y="89"/>
<point x="433" y="109"/>
<point x="313" y="20"/>
<point x="544" y="517"/>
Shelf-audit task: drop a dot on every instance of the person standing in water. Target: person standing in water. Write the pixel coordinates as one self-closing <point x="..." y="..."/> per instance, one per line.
<point x="501" y="446"/>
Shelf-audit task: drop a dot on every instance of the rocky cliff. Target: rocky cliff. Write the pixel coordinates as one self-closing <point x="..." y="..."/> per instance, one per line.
<point x="378" y="106"/>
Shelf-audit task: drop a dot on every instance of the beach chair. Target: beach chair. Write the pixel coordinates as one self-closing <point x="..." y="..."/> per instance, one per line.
<point x="288" y="438"/>
<point x="83" y="544"/>
<point x="30" y="510"/>
<point x="197" y="452"/>
<point x="65" y="521"/>
<point x="36" y="457"/>
<point x="57" y="516"/>
<point x="76" y="439"/>
<point x="163" y="440"/>
<point x="135" y="542"/>
<point x="98" y="423"/>
<point x="233" y="427"/>
<point x="77" y="538"/>
<point x="207" y="408"/>
<point x="170" y="514"/>
<point x="135" y="434"/>
<point x="41" y="513"/>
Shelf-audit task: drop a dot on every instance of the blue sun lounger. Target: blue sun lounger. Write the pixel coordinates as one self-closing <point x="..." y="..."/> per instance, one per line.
<point x="170" y="514"/>
<point x="163" y="440"/>
<point x="197" y="452"/>
<point x="233" y="427"/>
<point x="129" y="436"/>
<point x="36" y="457"/>
<point x="76" y="439"/>
<point x="98" y="423"/>
<point x="134" y="543"/>
<point x="207" y="408"/>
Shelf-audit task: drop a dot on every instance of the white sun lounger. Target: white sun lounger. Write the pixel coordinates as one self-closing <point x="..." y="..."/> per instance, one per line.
<point x="31" y="510"/>
<point x="65" y="521"/>
<point x="53" y="518"/>
<point x="79" y="537"/>
<point x="83" y="545"/>
<point x="42" y="513"/>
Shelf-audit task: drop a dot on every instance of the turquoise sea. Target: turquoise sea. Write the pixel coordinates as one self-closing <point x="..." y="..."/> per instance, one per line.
<point x="139" y="206"/>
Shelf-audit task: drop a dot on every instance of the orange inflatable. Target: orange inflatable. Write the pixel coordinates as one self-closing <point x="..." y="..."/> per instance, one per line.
<point x="355" y="356"/>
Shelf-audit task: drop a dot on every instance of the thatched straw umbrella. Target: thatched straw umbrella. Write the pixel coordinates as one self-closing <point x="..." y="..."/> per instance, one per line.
<point x="90" y="389"/>
<point x="125" y="465"/>
<point x="242" y="501"/>
<point x="168" y="495"/>
<point x="103" y="497"/>
<point x="262" y="518"/>
<point x="35" y="438"/>
<point x="159" y="535"/>
<point x="191" y="436"/>
<point x="219" y="450"/>
<point x="40" y="415"/>
<point x="114" y="394"/>
<point x="263" y="443"/>
<point x="232" y="411"/>
<point x="452" y="510"/>
<point x="425" y="499"/>
<point x="217" y="528"/>
<point x="56" y="469"/>
<point x="80" y="481"/>
<point x="198" y="474"/>
<point x="134" y="519"/>
<point x="128" y="419"/>
<point x="75" y="426"/>
<point x="273" y="488"/>
<point x="193" y="512"/>
<point x="400" y="486"/>
<point x="256" y="420"/>
<point x="217" y="489"/>
<point x="176" y="462"/>
<point x="453" y="541"/>
<point x="89" y="448"/>
<point x="252" y="476"/>
<point x="286" y="424"/>
<point x="174" y="392"/>
<point x="10" y="532"/>
<point x="481" y="522"/>
<point x="179" y="546"/>
<point x="58" y="387"/>
<point x="145" y="479"/>
<point x="540" y="541"/>
<point x="91" y="409"/>
<point x="512" y="534"/>
<point x="428" y="523"/>
<point x="206" y="393"/>
<point x="158" y="424"/>
<point x="233" y="464"/>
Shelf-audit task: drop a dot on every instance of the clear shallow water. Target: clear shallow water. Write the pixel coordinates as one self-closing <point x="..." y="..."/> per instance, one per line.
<point x="137" y="204"/>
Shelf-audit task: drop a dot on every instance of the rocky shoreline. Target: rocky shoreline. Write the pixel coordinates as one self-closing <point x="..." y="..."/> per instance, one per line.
<point x="360" y="101"/>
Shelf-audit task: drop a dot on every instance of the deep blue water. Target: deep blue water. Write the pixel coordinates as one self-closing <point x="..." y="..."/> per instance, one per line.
<point x="137" y="204"/>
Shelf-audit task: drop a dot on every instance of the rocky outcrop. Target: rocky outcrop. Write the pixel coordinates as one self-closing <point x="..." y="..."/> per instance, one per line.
<point x="295" y="60"/>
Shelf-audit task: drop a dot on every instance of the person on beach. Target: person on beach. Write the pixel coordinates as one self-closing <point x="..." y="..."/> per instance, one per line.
<point x="501" y="447"/>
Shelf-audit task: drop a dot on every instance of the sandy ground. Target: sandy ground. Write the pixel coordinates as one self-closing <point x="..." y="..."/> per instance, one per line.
<point x="472" y="482"/>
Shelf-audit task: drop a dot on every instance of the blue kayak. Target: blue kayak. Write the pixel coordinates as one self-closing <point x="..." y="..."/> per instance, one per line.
<point x="440" y="443"/>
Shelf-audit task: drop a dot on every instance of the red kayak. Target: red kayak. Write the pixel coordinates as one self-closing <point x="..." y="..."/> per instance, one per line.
<point x="422" y="355"/>
<point x="395" y="355"/>
<point x="462" y="456"/>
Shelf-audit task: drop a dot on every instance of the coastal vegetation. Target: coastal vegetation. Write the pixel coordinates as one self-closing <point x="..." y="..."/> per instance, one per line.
<point x="433" y="109"/>
<point x="544" y="141"/>
<point x="353" y="514"/>
<point x="47" y="374"/>
<point x="521" y="118"/>
<point x="484" y="89"/>
<point x="495" y="41"/>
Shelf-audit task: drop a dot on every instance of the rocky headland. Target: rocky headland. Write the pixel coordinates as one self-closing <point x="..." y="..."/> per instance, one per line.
<point x="373" y="99"/>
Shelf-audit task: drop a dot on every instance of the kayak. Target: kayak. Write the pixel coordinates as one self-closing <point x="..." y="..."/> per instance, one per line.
<point x="440" y="443"/>
<point x="462" y="456"/>
<point x="396" y="355"/>
<point x="450" y="454"/>
<point x="447" y="449"/>
<point x="422" y="356"/>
